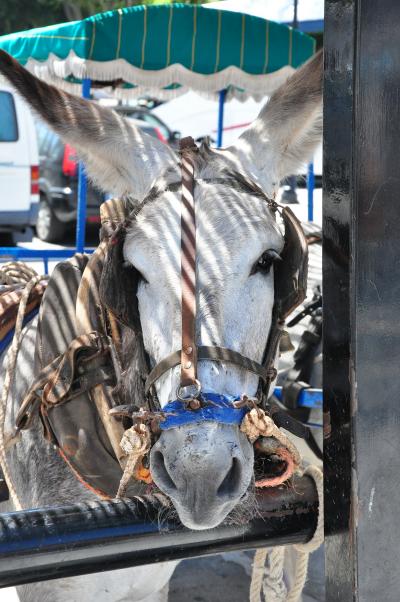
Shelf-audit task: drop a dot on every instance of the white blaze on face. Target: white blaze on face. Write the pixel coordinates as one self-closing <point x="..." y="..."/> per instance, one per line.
<point x="234" y="307"/>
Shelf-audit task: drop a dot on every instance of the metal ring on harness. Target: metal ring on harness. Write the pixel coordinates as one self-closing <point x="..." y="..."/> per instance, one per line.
<point x="195" y="390"/>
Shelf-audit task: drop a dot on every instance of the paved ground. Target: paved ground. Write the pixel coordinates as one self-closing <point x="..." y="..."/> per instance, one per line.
<point x="211" y="579"/>
<point x="223" y="577"/>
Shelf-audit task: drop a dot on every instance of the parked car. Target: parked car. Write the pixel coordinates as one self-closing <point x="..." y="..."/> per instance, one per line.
<point x="58" y="184"/>
<point x="160" y="127"/>
<point x="19" y="164"/>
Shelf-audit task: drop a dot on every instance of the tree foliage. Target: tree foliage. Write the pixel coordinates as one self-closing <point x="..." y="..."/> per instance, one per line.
<point x="18" y="15"/>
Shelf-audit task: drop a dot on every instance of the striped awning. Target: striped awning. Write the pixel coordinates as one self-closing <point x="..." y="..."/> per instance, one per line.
<point x="168" y="48"/>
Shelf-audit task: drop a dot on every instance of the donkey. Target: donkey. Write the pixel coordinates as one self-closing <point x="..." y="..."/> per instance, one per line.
<point x="205" y="469"/>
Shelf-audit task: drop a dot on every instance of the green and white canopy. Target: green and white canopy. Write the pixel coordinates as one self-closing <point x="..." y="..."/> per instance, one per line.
<point x="164" y="50"/>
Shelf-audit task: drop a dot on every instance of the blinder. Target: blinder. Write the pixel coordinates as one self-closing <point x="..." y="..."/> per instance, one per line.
<point x="119" y="283"/>
<point x="291" y="273"/>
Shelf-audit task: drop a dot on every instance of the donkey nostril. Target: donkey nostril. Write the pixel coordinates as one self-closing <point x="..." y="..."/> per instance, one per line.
<point x="232" y="480"/>
<point x="162" y="475"/>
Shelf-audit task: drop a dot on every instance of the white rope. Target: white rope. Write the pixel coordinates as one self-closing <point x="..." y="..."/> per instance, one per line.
<point x="16" y="272"/>
<point x="273" y="586"/>
<point x="318" y="538"/>
<point x="257" y="423"/>
<point x="304" y="550"/>
<point x="135" y="443"/>
<point x="12" y="355"/>
<point x="257" y="574"/>
<point x="270" y="580"/>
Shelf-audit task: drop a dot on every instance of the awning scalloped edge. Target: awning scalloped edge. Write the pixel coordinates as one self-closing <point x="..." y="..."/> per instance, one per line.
<point x="241" y="85"/>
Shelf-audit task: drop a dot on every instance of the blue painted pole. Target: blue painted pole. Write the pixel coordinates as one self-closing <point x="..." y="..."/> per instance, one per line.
<point x="308" y="398"/>
<point x="310" y="191"/>
<point x="82" y="188"/>
<point x="221" y="106"/>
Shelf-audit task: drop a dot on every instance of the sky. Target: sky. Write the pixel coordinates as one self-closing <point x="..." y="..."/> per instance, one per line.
<point x="275" y="10"/>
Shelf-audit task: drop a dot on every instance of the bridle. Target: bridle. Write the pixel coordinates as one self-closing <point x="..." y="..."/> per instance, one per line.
<point x="120" y="302"/>
<point x="290" y="290"/>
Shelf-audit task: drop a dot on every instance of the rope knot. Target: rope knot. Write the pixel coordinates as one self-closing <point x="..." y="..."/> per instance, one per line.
<point x="135" y="443"/>
<point x="257" y="424"/>
<point x="136" y="440"/>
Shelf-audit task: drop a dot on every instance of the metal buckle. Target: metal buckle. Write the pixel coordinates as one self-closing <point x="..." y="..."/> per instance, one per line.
<point x="189" y="393"/>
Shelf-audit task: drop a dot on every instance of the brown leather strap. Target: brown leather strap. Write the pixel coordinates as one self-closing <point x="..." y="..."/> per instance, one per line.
<point x="215" y="354"/>
<point x="189" y="354"/>
<point x="188" y="359"/>
<point x="55" y="382"/>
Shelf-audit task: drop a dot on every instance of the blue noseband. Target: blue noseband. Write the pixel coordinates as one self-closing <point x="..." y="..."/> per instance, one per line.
<point x="217" y="408"/>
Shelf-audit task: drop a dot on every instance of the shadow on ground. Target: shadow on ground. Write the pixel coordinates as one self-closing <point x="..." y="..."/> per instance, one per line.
<point x="210" y="579"/>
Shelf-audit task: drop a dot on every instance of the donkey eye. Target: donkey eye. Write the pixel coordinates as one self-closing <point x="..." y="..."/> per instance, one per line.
<point x="263" y="265"/>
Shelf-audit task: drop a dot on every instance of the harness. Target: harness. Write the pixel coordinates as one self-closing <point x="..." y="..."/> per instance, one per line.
<point x="290" y="290"/>
<point x="77" y="386"/>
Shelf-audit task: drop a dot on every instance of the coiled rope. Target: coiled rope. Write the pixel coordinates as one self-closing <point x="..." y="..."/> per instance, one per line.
<point x="269" y="581"/>
<point x="14" y="273"/>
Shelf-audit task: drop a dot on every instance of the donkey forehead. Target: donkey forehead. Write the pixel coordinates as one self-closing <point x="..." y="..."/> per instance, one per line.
<point x="227" y="220"/>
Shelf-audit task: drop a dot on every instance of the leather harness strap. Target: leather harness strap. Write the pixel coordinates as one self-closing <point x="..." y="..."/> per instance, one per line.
<point x="214" y="354"/>
<point x="68" y="375"/>
<point x="188" y="354"/>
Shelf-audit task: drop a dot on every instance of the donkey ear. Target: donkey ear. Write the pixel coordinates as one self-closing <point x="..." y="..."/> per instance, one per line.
<point x="119" y="157"/>
<point x="288" y="129"/>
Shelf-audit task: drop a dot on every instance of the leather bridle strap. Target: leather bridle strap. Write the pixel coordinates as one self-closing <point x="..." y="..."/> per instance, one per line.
<point x="215" y="354"/>
<point x="188" y="354"/>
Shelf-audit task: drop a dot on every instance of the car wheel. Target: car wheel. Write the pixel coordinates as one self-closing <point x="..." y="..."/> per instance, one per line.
<point x="48" y="227"/>
<point x="6" y="239"/>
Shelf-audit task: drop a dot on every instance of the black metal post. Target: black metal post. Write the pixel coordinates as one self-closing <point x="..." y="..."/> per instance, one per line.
<point x="339" y="39"/>
<point x="61" y="542"/>
<point x="361" y="299"/>
<point x="295" y="23"/>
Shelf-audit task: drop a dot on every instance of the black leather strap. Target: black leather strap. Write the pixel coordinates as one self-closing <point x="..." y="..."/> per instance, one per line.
<point x="215" y="354"/>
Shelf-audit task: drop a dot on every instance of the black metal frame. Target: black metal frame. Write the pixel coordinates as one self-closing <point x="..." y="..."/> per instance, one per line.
<point x="361" y="299"/>
<point x="339" y="35"/>
<point x="61" y="542"/>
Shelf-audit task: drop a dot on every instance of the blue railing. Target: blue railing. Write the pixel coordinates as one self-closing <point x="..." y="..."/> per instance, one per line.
<point x="308" y="398"/>
<point x="310" y="192"/>
<point x="46" y="255"/>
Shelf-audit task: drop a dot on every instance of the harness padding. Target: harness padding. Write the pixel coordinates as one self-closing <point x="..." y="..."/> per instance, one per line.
<point x="87" y="436"/>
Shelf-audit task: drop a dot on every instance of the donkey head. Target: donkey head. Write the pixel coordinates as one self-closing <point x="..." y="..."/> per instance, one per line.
<point x="206" y="469"/>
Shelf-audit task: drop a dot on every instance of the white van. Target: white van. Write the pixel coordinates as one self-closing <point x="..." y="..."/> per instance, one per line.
<point x="19" y="163"/>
